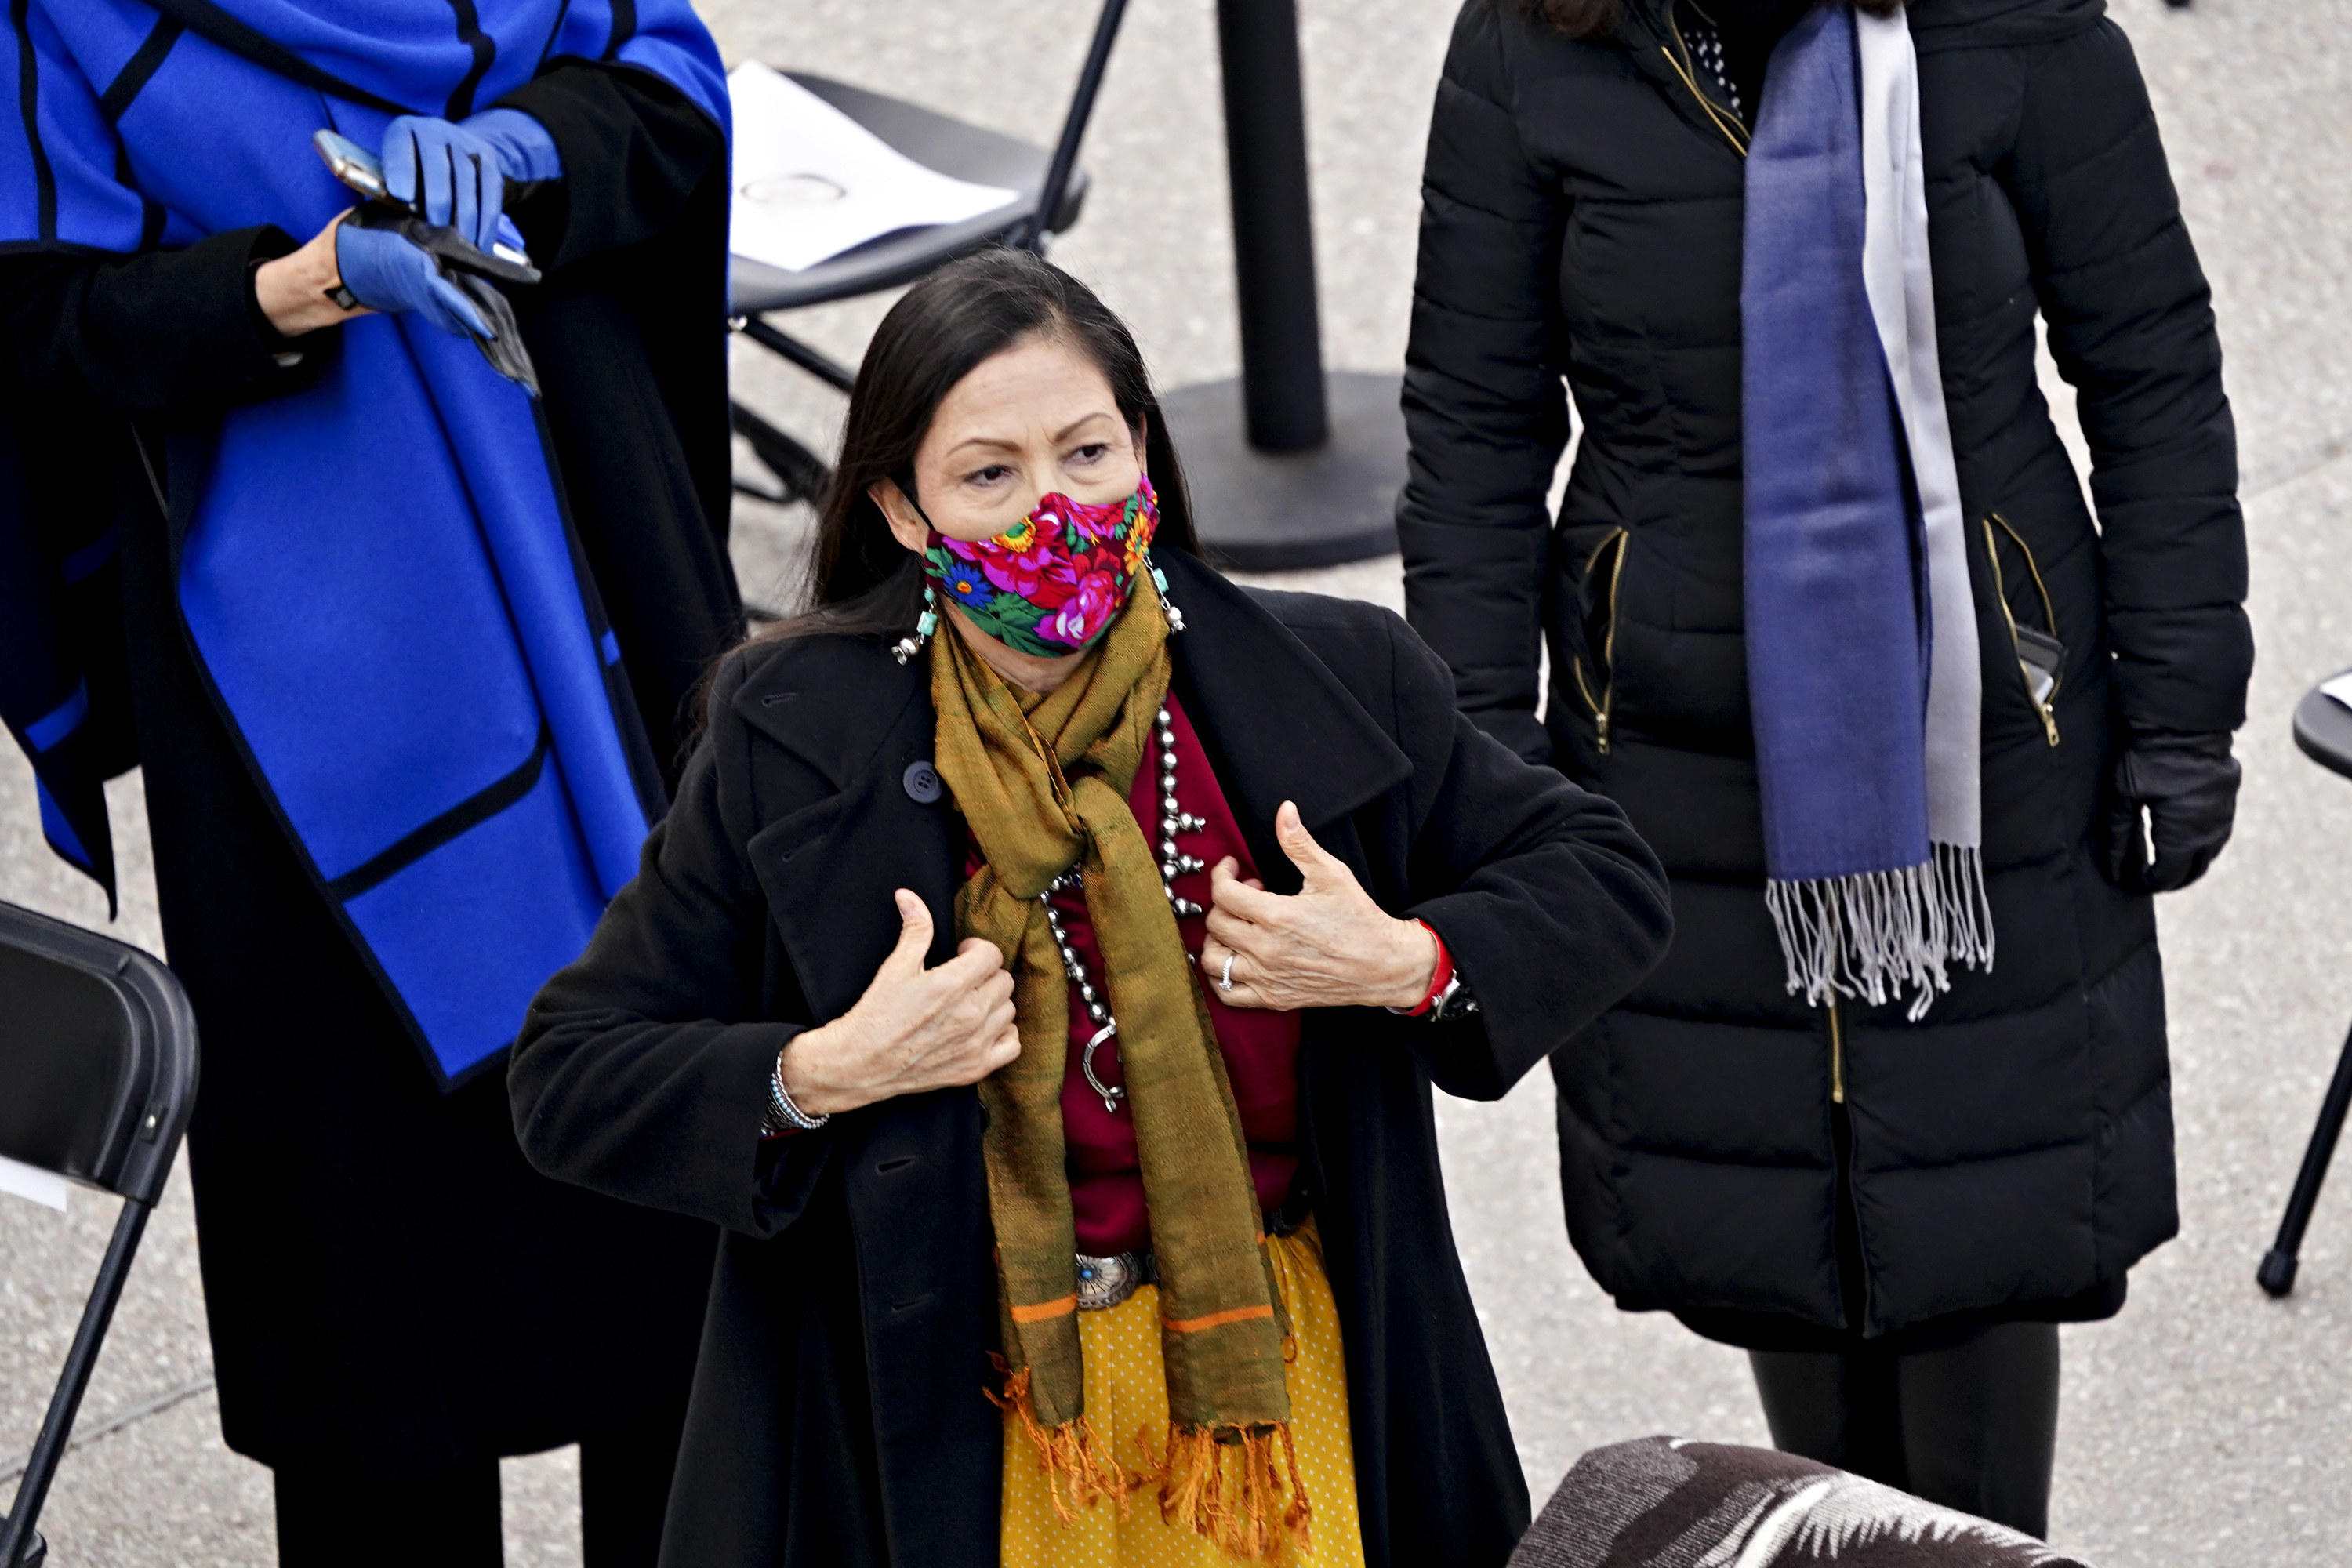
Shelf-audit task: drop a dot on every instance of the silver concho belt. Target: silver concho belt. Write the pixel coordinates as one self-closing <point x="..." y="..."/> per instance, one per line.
<point x="1107" y="1281"/>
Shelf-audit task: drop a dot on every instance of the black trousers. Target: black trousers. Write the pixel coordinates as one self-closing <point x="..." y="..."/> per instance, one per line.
<point x="452" y="1519"/>
<point x="1973" y="1426"/>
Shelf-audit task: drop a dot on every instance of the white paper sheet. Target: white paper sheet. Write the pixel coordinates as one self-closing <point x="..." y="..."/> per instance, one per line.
<point x="810" y="183"/>
<point x="44" y="1187"/>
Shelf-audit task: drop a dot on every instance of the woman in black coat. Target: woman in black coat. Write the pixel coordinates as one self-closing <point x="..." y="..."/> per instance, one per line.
<point x="842" y="1412"/>
<point x="1892" y="1214"/>
<point x="395" y="1298"/>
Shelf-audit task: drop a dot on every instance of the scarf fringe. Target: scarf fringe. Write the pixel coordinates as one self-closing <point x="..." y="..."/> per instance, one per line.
<point x="1073" y="1456"/>
<point x="1877" y="934"/>
<point x="1228" y="1481"/>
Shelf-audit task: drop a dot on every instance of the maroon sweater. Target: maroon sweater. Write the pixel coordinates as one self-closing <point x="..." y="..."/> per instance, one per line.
<point x="1261" y="1049"/>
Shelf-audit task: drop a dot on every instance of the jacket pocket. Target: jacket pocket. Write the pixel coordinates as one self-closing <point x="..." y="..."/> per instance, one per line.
<point x="2025" y="606"/>
<point x="1596" y="666"/>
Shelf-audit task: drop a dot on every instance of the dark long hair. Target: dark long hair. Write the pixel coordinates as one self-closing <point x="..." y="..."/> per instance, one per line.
<point x="861" y="581"/>
<point x="1599" y="19"/>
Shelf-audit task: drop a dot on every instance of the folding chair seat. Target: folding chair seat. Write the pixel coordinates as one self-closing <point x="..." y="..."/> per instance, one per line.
<point x="98" y="1073"/>
<point x="952" y="147"/>
<point x="1049" y="193"/>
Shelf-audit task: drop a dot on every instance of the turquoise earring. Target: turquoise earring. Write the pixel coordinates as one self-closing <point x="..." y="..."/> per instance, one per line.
<point x="1160" y="581"/>
<point x="926" y="624"/>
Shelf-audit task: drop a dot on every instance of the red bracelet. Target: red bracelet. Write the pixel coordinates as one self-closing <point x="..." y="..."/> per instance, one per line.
<point x="1439" y="978"/>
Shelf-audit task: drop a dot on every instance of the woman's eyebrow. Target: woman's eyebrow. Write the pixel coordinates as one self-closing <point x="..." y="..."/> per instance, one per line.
<point x="1004" y="444"/>
<point x="995" y="443"/>
<point x="1078" y="423"/>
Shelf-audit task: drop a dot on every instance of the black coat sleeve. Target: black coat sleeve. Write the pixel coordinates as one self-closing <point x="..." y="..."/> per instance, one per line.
<point x="635" y="150"/>
<point x="1484" y="403"/>
<point x="1552" y="905"/>
<point x="154" y="332"/>
<point x="634" y="1075"/>
<point x="2131" y="327"/>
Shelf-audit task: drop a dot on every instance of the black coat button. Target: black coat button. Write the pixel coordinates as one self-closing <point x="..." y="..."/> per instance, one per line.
<point x="923" y="782"/>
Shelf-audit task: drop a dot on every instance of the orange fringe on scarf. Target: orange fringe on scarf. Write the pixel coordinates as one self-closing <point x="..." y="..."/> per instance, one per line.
<point x="1072" y="1455"/>
<point x="1225" y="1479"/>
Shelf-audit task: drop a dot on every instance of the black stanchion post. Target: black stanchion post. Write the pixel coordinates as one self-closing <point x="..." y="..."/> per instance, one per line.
<point x="1273" y="229"/>
<point x="1291" y="468"/>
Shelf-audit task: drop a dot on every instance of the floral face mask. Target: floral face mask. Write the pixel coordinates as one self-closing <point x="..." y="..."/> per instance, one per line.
<point x="1055" y="581"/>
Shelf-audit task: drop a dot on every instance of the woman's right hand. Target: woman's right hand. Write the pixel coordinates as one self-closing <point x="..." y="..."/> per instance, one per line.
<point x="914" y="1030"/>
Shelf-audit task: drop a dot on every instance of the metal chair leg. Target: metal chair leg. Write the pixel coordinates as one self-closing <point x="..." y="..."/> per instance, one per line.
<point x="803" y="475"/>
<point x="2277" y="1274"/>
<point x="17" y="1533"/>
<point x="814" y="360"/>
<point x="1032" y="236"/>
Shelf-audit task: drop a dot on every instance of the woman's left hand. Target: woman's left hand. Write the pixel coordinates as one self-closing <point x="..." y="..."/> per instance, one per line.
<point x="293" y="291"/>
<point x="1328" y="946"/>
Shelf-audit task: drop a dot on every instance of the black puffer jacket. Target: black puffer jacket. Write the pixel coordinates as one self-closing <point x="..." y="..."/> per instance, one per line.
<point x="1724" y="1149"/>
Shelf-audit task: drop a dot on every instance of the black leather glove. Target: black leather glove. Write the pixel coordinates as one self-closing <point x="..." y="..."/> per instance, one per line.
<point x="2188" y="786"/>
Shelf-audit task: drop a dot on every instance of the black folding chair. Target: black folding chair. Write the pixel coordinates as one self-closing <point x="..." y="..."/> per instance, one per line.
<point x="1050" y="190"/>
<point x="2323" y="729"/>
<point x="97" y="1071"/>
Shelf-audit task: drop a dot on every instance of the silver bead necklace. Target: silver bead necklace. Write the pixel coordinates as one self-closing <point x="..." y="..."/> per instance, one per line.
<point x="1173" y="863"/>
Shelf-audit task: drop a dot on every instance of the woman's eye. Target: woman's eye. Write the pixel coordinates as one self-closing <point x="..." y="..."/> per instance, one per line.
<point x="1093" y="452"/>
<point x="987" y="475"/>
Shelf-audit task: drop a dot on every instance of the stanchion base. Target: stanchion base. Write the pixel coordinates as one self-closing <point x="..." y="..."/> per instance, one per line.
<point x="1281" y="512"/>
<point x="2276" y="1276"/>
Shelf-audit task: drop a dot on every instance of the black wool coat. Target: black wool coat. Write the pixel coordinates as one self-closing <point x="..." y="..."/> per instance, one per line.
<point x="1724" y="1150"/>
<point x="392" y="1291"/>
<point x="837" y="1417"/>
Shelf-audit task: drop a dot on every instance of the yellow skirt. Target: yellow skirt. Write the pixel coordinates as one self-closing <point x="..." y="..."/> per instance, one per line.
<point x="1127" y="1393"/>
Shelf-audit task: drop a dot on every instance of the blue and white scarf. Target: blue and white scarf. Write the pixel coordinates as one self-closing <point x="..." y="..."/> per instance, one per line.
<point x="1862" y="637"/>
<point x="376" y="570"/>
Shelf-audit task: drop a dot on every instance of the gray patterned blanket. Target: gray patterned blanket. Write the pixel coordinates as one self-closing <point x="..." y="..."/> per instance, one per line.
<point x="1669" y="1502"/>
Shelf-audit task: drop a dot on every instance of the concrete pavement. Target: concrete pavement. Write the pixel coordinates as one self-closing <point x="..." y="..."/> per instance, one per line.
<point x="2206" y="1425"/>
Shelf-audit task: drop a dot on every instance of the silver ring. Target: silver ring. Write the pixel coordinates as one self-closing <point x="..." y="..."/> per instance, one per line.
<point x="1225" y="980"/>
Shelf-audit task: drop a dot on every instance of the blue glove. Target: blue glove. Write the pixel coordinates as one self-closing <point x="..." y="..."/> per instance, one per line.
<point x="530" y="153"/>
<point x="384" y="272"/>
<point x="457" y="173"/>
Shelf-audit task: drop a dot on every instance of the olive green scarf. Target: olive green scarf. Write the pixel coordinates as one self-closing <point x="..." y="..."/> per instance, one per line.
<point x="1042" y="786"/>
